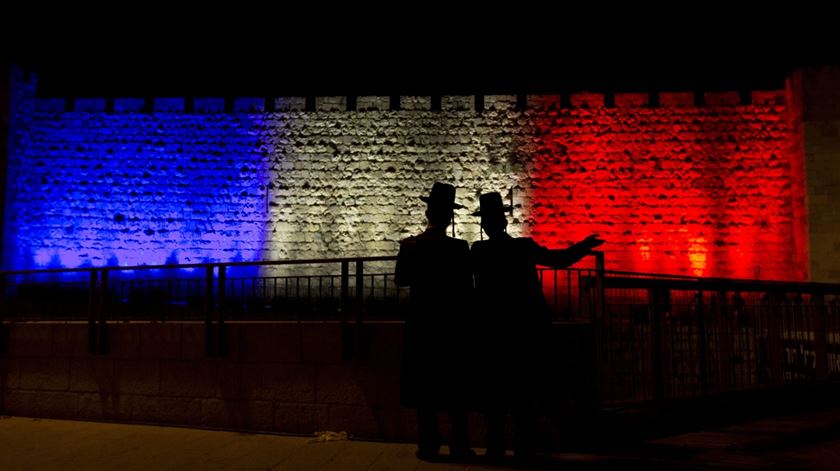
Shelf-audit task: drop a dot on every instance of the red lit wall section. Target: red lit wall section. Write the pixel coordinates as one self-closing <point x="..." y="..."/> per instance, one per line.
<point x="678" y="188"/>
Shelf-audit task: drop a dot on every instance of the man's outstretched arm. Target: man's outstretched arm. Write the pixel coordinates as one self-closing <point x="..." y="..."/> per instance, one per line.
<point x="564" y="258"/>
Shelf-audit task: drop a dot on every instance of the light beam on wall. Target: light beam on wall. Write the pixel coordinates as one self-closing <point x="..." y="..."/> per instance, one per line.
<point x="97" y="189"/>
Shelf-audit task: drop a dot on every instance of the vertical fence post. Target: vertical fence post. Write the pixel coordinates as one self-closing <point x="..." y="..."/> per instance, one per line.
<point x="657" y="298"/>
<point x="775" y="344"/>
<point x="220" y="323"/>
<point x="92" y="306"/>
<point x="209" y="338"/>
<point x="702" y="343"/>
<point x="818" y="312"/>
<point x="346" y="329"/>
<point x="4" y="334"/>
<point x="103" y="345"/>
<point x="361" y="350"/>
<point x="600" y="300"/>
<point x="360" y="290"/>
<point x="725" y="323"/>
<point x="597" y="319"/>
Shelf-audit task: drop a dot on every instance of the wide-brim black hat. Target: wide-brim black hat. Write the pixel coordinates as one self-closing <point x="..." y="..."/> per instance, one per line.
<point x="443" y="195"/>
<point x="491" y="203"/>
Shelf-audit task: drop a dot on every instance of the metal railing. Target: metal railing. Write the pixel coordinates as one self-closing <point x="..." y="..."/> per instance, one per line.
<point x="215" y="293"/>
<point x="347" y="289"/>
<point x="282" y="290"/>
<point x="667" y="337"/>
<point x="655" y="337"/>
<point x="293" y="289"/>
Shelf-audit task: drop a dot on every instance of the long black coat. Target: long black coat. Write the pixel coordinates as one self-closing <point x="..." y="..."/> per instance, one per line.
<point x="514" y="327"/>
<point x="435" y="362"/>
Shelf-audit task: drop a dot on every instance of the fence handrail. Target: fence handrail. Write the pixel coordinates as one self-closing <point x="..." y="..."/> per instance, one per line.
<point x="304" y="261"/>
<point x="614" y="278"/>
<point x="711" y="284"/>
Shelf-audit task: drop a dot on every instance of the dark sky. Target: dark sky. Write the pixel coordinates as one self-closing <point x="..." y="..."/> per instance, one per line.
<point x="386" y="59"/>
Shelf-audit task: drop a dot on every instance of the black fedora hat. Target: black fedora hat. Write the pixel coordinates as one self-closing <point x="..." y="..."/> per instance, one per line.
<point x="491" y="203"/>
<point x="443" y="194"/>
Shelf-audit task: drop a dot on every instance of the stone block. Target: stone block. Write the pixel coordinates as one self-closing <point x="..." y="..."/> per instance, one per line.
<point x="631" y="100"/>
<point x="290" y="103"/>
<point x="9" y="373"/>
<point x="209" y="105"/>
<point x="30" y="340"/>
<point x="56" y="404"/>
<point x="457" y="103"/>
<point x="50" y="105"/>
<point x="587" y="100"/>
<point x="169" y="105"/>
<point x="330" y="103"/>
<point x="543" y="102"/>
<point x="137" y="377"/>
<point x="237" y="415"/>
<point x="187" y="379"/>
<point x="44" y="374"/>
<point x="500" y="102"/>
<point x="89" y="104"/>
<point x="279" y="382"/>
<point x="129" y="105"/>
<point x="415" y="103"/>
<point x="179" y="411"/>
<point x="124" y="340"/>
<point x="676" y="99"/>
<point x="193" y="341"/>
<point x="722" y="98"/>
<point x="357" y="421"/>
<point x="772" y="97"/>
<point x="275" y="342"/>
<point x="92" y="374"/>
<point x="21" y="403"/>
<point x="160" y="341"/>
<point x="249" y="104"/>
<point x="70" y="340"/>
<point x="345" y="384"/>
<point x="321" y="343"/>
<point x="373" y="103"/>
<point x="300" y="418"/>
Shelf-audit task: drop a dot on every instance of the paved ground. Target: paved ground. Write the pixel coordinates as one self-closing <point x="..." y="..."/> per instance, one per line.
<point x="804" y="441"/>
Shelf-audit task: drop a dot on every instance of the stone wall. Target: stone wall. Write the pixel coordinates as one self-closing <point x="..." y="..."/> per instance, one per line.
<point x="677" y="183"/>
<point x="283" y="377"/>
<point x="822" y="152"/>
<point x="289" y="377"/>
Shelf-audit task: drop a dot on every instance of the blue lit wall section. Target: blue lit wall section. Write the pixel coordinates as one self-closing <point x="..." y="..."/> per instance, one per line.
<point x="105" y="189"/>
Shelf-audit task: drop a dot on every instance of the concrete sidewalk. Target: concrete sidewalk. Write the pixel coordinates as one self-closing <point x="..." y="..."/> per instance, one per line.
<point x="804" y="441"/>
<point x="46" y="444"/>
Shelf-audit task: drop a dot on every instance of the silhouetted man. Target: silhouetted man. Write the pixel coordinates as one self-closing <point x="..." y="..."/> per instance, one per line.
<point x="515" y="325"/>
<point x="436" y="267"/>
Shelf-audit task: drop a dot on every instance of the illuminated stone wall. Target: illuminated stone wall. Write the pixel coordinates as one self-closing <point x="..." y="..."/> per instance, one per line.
<point x="695" y="190"/>
<point x="692" y="185"/>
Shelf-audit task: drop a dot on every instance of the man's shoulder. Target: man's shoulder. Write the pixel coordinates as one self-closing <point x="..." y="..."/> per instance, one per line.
<point x="409" y="240"/>
<point x="408" y="245"/>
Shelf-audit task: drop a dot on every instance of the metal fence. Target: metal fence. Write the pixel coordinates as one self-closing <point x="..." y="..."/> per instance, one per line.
<point x="661" y="337"/>
<point x="282" y="290"/>
<point x="656" y="337"/>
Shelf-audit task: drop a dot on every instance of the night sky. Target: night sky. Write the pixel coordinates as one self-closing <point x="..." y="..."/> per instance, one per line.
<point x="483" y="55"/>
